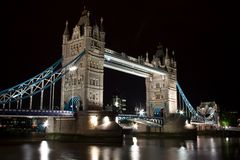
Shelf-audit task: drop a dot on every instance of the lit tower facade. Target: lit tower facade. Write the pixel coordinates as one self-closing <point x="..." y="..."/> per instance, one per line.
<point x="161" y="93"/>
<point x="82" y="87"/>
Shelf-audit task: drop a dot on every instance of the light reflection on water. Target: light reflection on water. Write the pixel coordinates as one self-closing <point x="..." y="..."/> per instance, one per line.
<point x="135" y="150"/>
<point x="28" y="155"/>
<point x="94" y="152"/>
<point x="44" y="150"/>
<point x="131" y="149"/>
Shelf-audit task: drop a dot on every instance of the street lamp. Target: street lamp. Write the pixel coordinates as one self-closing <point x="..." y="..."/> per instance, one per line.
<point x="71" y="69"/>
<point x="141" y="113"/>
<point x="181" y="112"/>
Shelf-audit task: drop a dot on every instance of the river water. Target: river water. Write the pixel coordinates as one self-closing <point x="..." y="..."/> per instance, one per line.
<point x="201" y="148"/>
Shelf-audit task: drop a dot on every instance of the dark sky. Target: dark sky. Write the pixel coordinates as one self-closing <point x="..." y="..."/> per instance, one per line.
<point x="204" y="36"/>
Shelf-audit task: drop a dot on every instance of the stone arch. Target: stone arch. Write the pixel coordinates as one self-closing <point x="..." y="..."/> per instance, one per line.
<point x="73" y="104"/>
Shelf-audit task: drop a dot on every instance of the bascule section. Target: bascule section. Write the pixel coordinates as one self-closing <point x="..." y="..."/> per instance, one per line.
<point x="82" y="87"/>
<point x="160" y="75"/>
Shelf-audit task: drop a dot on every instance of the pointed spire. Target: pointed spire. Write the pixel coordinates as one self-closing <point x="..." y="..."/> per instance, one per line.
<point x="66" y="31"/>
<point x="167" y="56"/>
<point x="101" y="24"/>
<point x="84" y="19"/>
<point x="159" y="52"/>
<point x="173" y="55"/>
<point x="147" y="60"/>
<point x="85" y="11"/>
<point x="88" y="14"/>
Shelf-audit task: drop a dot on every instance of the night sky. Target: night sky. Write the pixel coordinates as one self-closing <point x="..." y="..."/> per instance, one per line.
<point x="204" y="36"/>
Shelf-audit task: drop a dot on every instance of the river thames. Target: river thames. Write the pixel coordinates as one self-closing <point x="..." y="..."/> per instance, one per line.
<point x="202" y="148"/>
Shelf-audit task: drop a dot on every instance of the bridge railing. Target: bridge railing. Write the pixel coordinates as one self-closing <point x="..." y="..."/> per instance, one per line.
<point x="27" y="112"/>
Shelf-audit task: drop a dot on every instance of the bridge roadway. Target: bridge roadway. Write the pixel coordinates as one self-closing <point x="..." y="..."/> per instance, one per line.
<point x="34" y="113"/>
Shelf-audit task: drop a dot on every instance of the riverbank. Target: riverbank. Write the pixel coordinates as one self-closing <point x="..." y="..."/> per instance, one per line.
<point x="219" y="133"/>
<point x="166" y="135"/>
<point x="185" y="135"/>
<point x="38" y="137"/>
<point x="84" y="138"/>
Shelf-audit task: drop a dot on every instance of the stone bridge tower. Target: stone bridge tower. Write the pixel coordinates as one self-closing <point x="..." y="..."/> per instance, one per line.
<point x="161" y="93"/>
<point x="82" y="87"/>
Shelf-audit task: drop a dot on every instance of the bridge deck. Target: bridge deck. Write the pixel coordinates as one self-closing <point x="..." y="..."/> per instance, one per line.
<point x="34" y="113"/>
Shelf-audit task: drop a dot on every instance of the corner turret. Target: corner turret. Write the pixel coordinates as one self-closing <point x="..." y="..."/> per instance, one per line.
<point x="102" y="33"/>
<point x="66" y="34"/>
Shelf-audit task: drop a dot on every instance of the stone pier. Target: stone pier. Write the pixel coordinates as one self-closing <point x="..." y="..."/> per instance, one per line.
<point x="90" y="126"/>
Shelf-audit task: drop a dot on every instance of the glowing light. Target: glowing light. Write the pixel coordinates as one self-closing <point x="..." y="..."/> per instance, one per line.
<point x="135" y="150"/>
<point x="135" y="126"/>
<point x="108" y="58"/>
<point x="116" y="104"/>
<point x="227" y="139"/>
<point x="44" y="150"/>
<point x="188" y="125"/>
<point x="116" y="119"/>
<point x="94" y="153"/>
<point x="134" y="141"/>
<point x="182" y="153"/>
<point x="73" y="68"/>
<point x="106" y="120"/>
<point x="94" y="120"/>
<point x="141" y="112"/>
<point x="45" y="124"/>
<point x="181" y="112"/>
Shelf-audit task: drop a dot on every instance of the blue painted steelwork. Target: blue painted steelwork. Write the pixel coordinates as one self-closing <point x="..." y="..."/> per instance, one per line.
<point x="158" y="112"/>
<point x="32" y="80"/>
<point x="72" y="104"/>
<point x="195" y="115"/>
<point x="38" y="83"/>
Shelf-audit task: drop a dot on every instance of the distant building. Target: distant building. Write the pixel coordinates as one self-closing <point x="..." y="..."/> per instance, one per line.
<point x="210" y="112"/>
<point x="117" y="105"/>
<point x="140" y="109"/>
<point x="229" y="118"/>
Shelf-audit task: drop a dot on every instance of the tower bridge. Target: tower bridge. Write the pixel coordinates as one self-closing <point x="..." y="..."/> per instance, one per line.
<point x="81" y="72"/>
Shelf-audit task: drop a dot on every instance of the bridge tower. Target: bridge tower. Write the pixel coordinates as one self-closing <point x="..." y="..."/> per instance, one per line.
<point x="161" y="93"/>
<point x="82" y="87"/>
